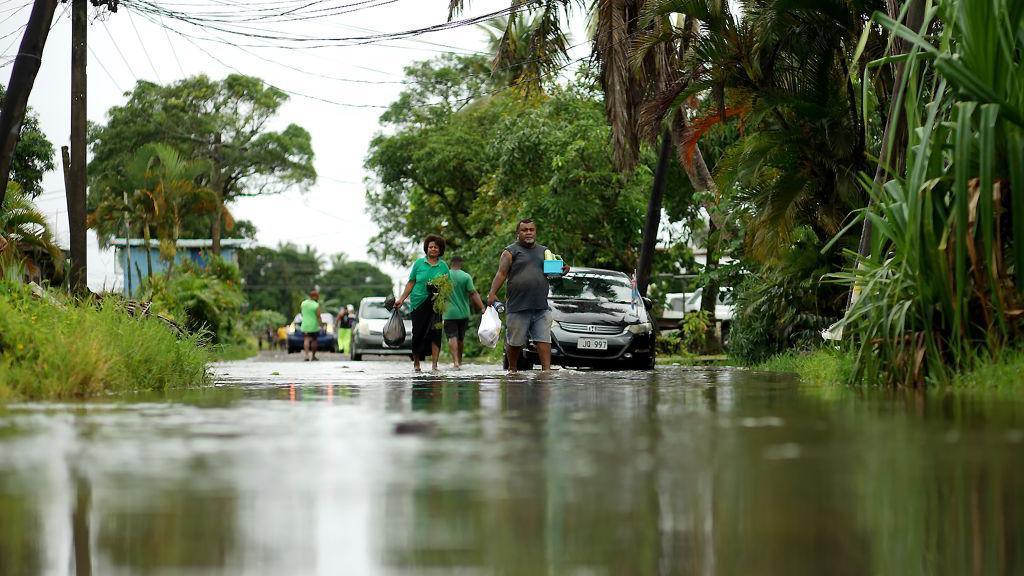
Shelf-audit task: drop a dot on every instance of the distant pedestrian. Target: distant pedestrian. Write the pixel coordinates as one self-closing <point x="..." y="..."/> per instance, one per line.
<point x="344" y="329"/>
<point x="528" y="316"/>
<point x="282" y="337"/>
<point x="311" y="323"/>
<point x="426" y="337"/>
<point x="456" y="316"/>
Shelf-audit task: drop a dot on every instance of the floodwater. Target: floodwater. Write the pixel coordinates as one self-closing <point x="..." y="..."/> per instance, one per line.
<point x="363" y="468"/>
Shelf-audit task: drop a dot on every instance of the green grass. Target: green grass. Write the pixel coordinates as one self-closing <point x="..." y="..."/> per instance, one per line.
<point x="58" y="349"/>
<point x="1004" y="374"/>
<point x="820" y="367"/>
<point x="692" y="360"/>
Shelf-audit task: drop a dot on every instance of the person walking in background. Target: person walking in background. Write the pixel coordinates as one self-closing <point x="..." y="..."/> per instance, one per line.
<point x="528" y="316"/>
<point x="426" y="337"/>
<point x="310" y="309"/>
<point x="282" y="337"/>
<point x="344" y="329"/>
<point x="456" y="316"/>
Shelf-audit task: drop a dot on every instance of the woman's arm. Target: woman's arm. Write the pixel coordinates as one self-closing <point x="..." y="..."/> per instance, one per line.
<point x="405" y="293"/>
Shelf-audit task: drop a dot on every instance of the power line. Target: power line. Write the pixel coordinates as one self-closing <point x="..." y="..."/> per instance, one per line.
<point x="100" y="62"/>
<point x="118" y="48"/>
<point x="144" y="49"/>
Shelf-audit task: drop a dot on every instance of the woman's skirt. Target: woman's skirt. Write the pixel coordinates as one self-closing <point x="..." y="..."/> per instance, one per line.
<point x="424" y="329"/>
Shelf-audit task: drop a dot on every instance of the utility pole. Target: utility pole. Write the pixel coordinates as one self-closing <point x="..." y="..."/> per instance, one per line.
<point x="23" y="76"/>
<point x="128" y="243"/>
<point x="77" y="177"/>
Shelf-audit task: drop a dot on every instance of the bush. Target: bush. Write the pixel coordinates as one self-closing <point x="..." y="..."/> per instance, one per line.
<point x="785" y="305"/>
<point x="669" y="343"/>
<point x="694" y="329"/>
<point x="53" y="348"/>
<point x="207" y="301"/>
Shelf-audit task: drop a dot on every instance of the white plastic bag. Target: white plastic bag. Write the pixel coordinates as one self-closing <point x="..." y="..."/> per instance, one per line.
<point x="490" y="328"/>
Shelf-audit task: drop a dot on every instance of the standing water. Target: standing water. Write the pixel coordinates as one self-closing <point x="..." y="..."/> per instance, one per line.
<point x="363" y="468"/>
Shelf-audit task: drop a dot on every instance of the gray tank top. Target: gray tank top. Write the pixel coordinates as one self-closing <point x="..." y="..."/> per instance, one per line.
<point x="527" y="287"/>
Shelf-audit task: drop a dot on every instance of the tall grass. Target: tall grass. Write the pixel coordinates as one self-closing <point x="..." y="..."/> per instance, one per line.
<point x="52" y="348"/>
<point x="941" y="290"/>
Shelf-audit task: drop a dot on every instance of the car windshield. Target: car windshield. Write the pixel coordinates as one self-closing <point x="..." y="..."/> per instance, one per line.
<point x="592" y="287"/>
<point x="377" y="311"/>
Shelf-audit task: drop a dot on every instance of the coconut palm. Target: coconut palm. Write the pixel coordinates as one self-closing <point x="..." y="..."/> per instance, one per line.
<point x="526" y="49"/>
<point x="25" y="235"/>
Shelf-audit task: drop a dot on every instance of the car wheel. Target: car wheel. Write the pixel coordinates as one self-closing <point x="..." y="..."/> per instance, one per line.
<point x="352" y="354"/>
<point x="644" y="363"/>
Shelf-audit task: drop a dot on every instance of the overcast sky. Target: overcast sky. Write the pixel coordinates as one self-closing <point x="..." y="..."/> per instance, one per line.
<point x="331" y="216"/>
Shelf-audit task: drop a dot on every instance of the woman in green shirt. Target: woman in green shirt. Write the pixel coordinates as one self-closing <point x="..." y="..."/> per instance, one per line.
<point x="426" y="336"/>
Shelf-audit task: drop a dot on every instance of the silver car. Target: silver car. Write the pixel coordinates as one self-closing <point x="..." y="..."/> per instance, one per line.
<point x="368" y="333"/>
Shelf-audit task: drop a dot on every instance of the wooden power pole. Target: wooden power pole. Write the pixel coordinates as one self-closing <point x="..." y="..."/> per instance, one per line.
<point x="23" y="76"/>
<point x="76" y="172"/>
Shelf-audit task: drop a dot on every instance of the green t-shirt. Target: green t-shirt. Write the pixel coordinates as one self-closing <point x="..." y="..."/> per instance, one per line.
<point x="421" y="273"/>
<point x="458" y="304"/>
<point x="310" y="319"/>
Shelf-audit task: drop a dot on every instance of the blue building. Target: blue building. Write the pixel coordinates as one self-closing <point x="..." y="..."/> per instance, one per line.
<point x="197" y="250"/>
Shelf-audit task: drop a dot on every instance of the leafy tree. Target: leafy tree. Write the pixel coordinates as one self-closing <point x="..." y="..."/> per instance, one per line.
<point x="33" y="155"/>
<point x="348" y="282"/>
<point x="279" y="279"/>
<point x="205" y="300"/>
<point x="470" y="174"/>
<point x="222" y="122"/>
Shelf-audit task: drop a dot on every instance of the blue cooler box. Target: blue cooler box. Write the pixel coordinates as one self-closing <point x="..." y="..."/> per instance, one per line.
<point x="553" y="267"/>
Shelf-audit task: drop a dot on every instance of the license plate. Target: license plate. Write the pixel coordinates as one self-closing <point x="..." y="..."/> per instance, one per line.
<point x="592" y="343"/>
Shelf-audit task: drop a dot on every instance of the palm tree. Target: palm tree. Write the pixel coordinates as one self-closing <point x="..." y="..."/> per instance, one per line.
<point x="25" y="235"/>
<point x="526" y="49"/>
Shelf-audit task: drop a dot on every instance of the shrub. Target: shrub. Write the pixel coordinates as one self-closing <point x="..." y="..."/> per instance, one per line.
<point x="207" y="301"/>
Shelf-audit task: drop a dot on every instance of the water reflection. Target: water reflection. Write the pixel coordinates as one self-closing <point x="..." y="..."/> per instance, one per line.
<point x="675" y="472"/>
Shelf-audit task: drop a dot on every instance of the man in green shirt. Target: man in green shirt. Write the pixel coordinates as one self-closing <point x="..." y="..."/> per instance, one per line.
<point x="310" y="309"/>
<point x="456" y="316"/>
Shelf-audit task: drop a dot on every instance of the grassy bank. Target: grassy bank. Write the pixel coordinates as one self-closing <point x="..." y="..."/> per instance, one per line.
<point x="235" y="350"/>
<point x="56" y="349"/>
<point x="820" y="367"/>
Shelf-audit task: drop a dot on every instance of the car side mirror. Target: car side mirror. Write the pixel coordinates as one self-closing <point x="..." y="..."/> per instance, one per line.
<point x="648" y="303"/>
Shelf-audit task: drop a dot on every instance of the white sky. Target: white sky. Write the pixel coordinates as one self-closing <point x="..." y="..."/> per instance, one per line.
<point x="332" y="215"/>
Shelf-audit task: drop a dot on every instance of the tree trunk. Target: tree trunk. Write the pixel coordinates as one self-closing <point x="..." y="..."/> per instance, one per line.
<point x="895" y="130"/>
<point x="149" y="255"/>
<point x="650" y="238"/>
<point x="217" y="185"/>
<point x="23" y="76"/>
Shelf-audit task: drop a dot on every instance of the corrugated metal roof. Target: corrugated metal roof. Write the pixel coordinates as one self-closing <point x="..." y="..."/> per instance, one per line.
<point x="186" y="242"/>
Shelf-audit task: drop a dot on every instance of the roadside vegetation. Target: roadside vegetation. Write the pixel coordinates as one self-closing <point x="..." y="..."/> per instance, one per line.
<point x="54" y="347"/>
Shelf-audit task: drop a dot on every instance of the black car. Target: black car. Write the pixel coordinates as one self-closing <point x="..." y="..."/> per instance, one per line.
<point x="597" y="321"/>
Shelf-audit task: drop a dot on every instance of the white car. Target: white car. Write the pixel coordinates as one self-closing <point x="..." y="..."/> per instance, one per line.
<point x="368" y="333"/>
<point x="679" y="303"/>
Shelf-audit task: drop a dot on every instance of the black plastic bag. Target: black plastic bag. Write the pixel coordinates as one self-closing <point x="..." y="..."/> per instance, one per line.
<point x="394" y="330"/>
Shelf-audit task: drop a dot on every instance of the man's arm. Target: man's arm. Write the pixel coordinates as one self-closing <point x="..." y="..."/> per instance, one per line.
<point x="503" y="267"/>
<point x="475" y="298"/>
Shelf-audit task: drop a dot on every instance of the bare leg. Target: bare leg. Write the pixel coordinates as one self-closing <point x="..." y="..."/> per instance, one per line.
<point x="416" y="362"/>
<point x="305" y="348"/>
<point x="461" y="345"/>
<point x="435" y="351"/>
<point x="313" y="345"/>
<point x="544" y="351"/>
<point x="453" y="346"/>
<point x="512" y="353"/>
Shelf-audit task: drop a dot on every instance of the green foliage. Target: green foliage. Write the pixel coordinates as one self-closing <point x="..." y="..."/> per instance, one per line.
<point x="470" y="174"/>
<point x="694" y="330"/>
<point x="54" y="347"/>
<point x="347" y="282"/>
<point x="785" y="305"/>
<point x="669" y="343"/>
<point x="25" y="236"/>
<point x="33" y="155"/>
<point x="441" y="292"/>
<point x="261" y="320"/>
<point x="821" y="367"/>
<point x="279" y="279"/>
<point x="940" y="292"/>
<point x="222" y="122"/>
<point x="207" y="301"/>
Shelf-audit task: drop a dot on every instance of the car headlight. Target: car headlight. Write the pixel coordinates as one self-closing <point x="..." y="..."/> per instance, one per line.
<point x="641" y="328"/>
<point x="330" y="329"/>
<point x="291" y="328"/>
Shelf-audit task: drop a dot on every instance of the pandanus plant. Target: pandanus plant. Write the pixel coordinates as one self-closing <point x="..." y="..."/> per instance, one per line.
<point x="941" y="287"/>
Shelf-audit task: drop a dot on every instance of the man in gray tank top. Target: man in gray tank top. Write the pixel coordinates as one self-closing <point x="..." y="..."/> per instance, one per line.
<point x="528" y="317"/>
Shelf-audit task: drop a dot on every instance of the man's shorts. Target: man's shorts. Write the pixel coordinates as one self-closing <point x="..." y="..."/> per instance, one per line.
<point x="456" y="328"/>
<point x="311" y="334"/>
<point x="521" y="327"/>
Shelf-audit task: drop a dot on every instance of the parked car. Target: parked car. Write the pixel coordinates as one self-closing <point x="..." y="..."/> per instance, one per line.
<point x="596" y="322"/>
<point x="368" y="334"/>
<point x="327" y="341"/>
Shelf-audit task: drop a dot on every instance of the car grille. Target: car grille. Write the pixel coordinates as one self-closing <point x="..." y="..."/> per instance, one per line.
<point x="590" y="328"/>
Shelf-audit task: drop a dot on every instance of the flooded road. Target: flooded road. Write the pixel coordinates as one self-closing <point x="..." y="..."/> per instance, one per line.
<point x="364" y="468"/>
